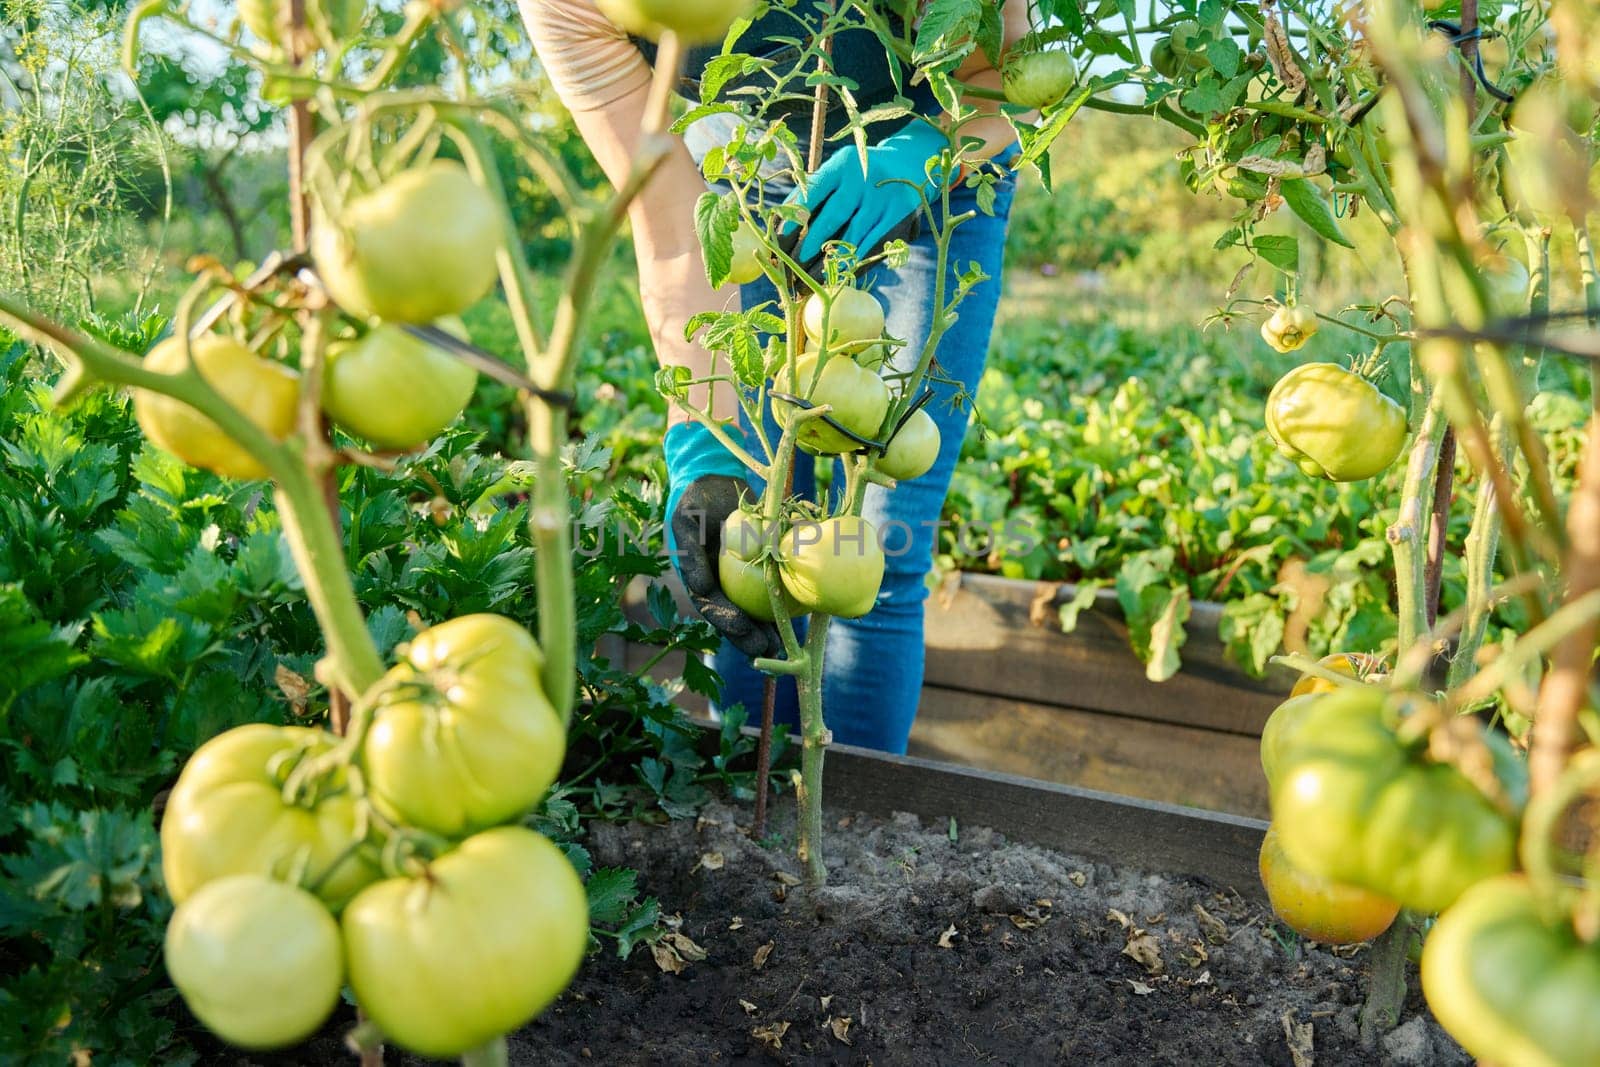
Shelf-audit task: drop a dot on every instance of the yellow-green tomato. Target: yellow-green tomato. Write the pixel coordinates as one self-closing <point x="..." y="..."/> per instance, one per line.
<point x="473" y="948"/>
<point x="1314" y="907"/>
<point x="857" y="398"/>
<point x="262" y="390"/>
<point x="419" y="247"/>
<point x="852" y="314"/>
<point x="1288" y="328"/>
<point x="1507" y="975"/>
<point x="1507" y="280"/>
<point x="227" y="815"/>
<point x="913" y="450"/>
<point x="394" y="389"/>
<point x="747" y="251"/>
<point x="259" y="962"/>
<point x="694" y="21"/>
<point x="1334" y="424"/>
<point x="744" y="582"/>
<point x="834" y="566"/>
<point x="464" y="736"/>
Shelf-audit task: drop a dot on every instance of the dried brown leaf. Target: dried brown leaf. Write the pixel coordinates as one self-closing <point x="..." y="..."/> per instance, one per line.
<point x="785" y="878"/>
<point x="736" y="923"/>
<point x="841" y="1028"/>
<point x="685" y="947"/>
<point x="1140" y="989"/>
<point x="1078" y="878"/>
<point x="1143" y="950"/>
<point x="760" y="958"/>
<point x="294" y="688"/>
<point x="771" y="1035"/>
<point x="1299" y="1036"/>
<point x="667" y="957"/>
<point x="710" y="861"/>
<point x="948" y="938"/>
<point x="1213" y="928"/>
<point x="749" y="1008"/>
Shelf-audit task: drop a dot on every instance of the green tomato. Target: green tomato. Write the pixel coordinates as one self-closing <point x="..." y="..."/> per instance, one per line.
<point x="332" y="20"/>
<point x="1512" y="981"/>
<point x="1164" y="60"/>
<point x="1507" y="281"/>
<point x="853" y="315"/>
<point x="259" y="962"/>
<point x="227" y="815"/>
<point x="747" y="254"/>
<point x="834" y="566"/>
<point x="264" y="391"/>
<point x="394" y="389"/>
<point x="858" y="398"/>
<point x="913" y="450"/>
<point x="1037" y="80"/>
<point x="1277" y="736"/>
<point x="473" y="948"/>
<point x="1316" y="908"/>
<point x="418" y="248"/>
<point x="1334" y="424"/>
<point x="1288" y="328"/>
<point x="1355" y="805"/>
<point x="695" y="21"/>
<point x="745" y="583"/>
<point x="464" y="736"/>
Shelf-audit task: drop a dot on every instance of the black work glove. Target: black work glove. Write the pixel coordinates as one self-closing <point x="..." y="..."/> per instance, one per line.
<point x="696" y="522"/>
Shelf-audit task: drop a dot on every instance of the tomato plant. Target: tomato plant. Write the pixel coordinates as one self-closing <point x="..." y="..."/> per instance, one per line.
<point x="1316" y="908"/>
<point x="417" y="248"/>
<point x="1335" y="424"/>
<point x="258" y="961"/>
<point x="464" y="735"/>
<point x="472" y="947"/>
<point x="394" y="389"/>
<point x="263" y="390"/>
<point x="228" y="814"/>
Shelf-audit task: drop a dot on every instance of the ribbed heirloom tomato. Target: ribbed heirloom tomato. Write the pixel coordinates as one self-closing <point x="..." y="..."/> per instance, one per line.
<point x="1356" y="805"/>
<point x="858" y="400"/>
<point x="913" y="450"/>
<point x="834" y="566"/>
<point x="263" y="391"/>
<point x="464" y="735"/>
<point x="396" y="390"/>
<point x="473" y="948"/>
<point x="1279" y="733"/>
<point x="1354" y="664"/>
<point x="1316" y="908"/>
<point x="1512" y="981"/>
<point x="418" y="248"/>
<point x="1037" y="79"/>
<point x="258" y="961"/>
<point x="1334" y="424"/>
<point x="228" y="815"/>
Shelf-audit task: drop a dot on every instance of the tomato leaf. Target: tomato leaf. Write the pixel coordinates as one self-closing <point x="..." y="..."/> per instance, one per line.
<point x="715" y="219"/>
<point x="1281" y="251"/>
<point x="1305" y="200"/>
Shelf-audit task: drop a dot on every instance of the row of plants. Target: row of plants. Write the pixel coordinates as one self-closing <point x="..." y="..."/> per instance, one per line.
<point x="150" y="606"/>
<point x="1140" y="462"/>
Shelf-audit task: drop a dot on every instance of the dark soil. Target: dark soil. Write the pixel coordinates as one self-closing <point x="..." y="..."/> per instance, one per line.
<point x="928" y="950"/>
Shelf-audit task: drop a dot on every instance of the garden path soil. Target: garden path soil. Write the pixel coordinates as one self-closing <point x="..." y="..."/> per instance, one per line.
<point x="934" y="947"/>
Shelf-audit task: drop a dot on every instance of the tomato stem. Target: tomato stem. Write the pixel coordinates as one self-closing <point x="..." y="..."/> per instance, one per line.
<point x="491" y="1054"/>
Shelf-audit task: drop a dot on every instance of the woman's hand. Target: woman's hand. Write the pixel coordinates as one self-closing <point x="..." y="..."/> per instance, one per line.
<point x="861" y="207"/>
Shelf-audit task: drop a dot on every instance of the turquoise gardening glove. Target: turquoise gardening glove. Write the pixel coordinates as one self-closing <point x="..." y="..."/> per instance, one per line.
<point x="862" y="208"/>
<point x="706" y="484"/>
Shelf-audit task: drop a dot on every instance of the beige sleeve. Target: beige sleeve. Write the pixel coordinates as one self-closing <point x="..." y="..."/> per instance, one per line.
<point x="589" y="60"/>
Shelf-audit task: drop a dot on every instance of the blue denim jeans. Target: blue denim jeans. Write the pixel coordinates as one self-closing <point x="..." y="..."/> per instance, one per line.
<point x="874" y="664"/>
